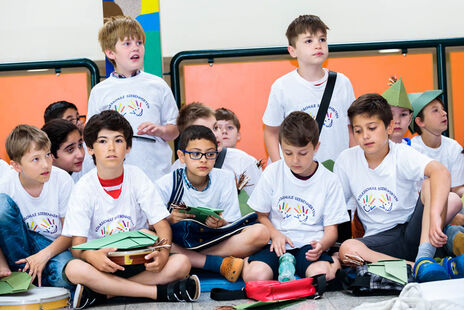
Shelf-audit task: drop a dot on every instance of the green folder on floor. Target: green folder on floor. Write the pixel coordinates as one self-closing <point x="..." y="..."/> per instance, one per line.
<point x="275" y="304"/>
<point x="394" y="270"/>
<point x="122" y="241"/>
<point x="17" y="282"/>
<point x="202" y="213"/>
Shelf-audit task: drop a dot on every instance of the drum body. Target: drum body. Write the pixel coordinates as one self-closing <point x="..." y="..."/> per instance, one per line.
<point x="132" y="257"/>
<point x="36" y="299"/>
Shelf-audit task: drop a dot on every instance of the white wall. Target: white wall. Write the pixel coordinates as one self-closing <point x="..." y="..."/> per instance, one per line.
<point x="34" y="30"/>
<point x="222" y="24"/>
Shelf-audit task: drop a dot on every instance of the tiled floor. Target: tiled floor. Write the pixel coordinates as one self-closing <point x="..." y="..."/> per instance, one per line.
<point x="330" y="301"/>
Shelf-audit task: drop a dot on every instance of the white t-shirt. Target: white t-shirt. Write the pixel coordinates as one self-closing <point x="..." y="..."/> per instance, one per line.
<point x="42" y="214"/>
<point x="5" y="170"/>
<point x="448" y="153"/>
<point x="142" y="98"/>
<point x="220" y="194"/>
<point x="238" y="162"/>
<point x="291" y="93"/>
<point x="386" y="196"/>
<point x="299" y="208"/>
<point x="94" y="214"/>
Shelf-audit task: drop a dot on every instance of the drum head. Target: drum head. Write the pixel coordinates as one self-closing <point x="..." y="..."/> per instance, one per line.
<point x="42" y="297"/>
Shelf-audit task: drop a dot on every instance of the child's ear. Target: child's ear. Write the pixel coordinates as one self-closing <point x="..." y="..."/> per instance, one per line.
<point x="390" y="127"/>
<point x="110" y="54"/>
<point x="90" y="150"/>
<point x="419" y="122"/>
<point x="291" y="51"/>
<point x="16" y="166"/>
<point x="317" y="146"/>
<point x="181" y="155"/>
<point x="238" y="136"/>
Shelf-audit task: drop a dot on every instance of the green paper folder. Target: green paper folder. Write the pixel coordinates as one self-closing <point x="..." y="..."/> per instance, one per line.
<point x="202" y="213"/>
<point x="394" y="270"/>
<point x="122" y="241"/>
<point x="17" y="282"/>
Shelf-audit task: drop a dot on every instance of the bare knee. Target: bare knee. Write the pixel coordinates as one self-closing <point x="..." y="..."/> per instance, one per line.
<point x="350" y="246"/>
<point x="320" y="267"/>
<point x="77" y="271"/>
<point x="258" y="234"/>
<point x="454" y="206"/>
<point x="179" y="266"/>
<point x="256" y="271"/>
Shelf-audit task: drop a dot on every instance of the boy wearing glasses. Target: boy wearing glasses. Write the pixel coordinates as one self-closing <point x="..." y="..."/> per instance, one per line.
<point x="206" y="186"/>
<point x="64" y="110"/>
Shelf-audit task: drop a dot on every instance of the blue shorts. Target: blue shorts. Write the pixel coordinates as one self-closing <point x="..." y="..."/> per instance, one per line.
<point x="271" y="259"/>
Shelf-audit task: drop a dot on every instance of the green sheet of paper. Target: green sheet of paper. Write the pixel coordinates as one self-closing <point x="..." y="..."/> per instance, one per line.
<point x="122" y="241"/>
<point x="17" y="282"/>
<point x="394" y="270"/>
<point x="275" y="304"/>
<point x="202" y="213"/>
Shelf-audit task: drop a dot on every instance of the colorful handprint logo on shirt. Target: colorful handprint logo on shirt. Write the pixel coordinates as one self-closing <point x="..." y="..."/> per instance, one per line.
<point x="330" y="116"/>
<point x="297" y="208"/>
<point x="49" y="226"/>
<point x="135" y="108"/>
<point x="373" y="198"/>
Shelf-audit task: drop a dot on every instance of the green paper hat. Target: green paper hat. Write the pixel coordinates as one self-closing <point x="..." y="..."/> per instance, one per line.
<point x="397" y="96"/>
<point x="420" y="100"/>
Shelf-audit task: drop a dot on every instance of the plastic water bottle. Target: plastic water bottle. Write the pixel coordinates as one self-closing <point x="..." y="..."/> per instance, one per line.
<point x="286" y="267"/>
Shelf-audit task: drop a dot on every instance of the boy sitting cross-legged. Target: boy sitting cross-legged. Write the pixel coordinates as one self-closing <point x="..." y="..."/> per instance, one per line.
<point x="205" y="186"/>
<point x="33" y="201"/>
<point x="381" y="176"/>
<point x="107" y="195"/>
<point x="301" y="203"/>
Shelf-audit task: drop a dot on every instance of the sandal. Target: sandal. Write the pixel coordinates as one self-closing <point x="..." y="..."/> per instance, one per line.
<point x="454" y="266"/>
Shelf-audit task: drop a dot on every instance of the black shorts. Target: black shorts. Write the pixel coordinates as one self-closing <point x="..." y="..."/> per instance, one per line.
<point x="130" y="271"/>
<point x="401" y="241"/>
<point x="271" y="259"/>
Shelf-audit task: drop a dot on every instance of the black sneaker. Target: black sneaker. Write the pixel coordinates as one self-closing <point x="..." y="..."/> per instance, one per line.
<point x="184" y="290"/>
<point x="85" y="297"/>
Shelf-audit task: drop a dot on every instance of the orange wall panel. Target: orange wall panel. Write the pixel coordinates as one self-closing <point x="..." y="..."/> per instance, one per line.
<point x="24" y="99"/>
<point x="244" y="87"/>
<point x="457" y="94"/>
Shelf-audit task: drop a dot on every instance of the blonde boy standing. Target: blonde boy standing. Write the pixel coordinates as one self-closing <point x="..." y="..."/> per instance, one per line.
<point x="145" y="100"/>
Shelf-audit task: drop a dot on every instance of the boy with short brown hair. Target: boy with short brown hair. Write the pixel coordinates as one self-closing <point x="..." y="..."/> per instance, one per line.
<point x="33" y="204"/>
<point x="303" y="88"/>
<point x="227" y="126"/>
<point x="145" y="100"/>
<point x="232" y="159"/>
<point x="381" y="176"/>
<point x="301" y="203"/>
<point x="103" y="198"/>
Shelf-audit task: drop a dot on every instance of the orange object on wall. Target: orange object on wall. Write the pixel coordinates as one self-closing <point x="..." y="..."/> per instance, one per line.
<point x="244" y="87"/>
<point x="24" y="99"/>
<point x="457" y="94"/>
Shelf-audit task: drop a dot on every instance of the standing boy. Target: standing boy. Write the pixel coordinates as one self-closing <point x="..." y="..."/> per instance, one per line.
<point x="302" y="90"/>
<point x="206" y="186"/>
<point x="106" y="196"/>
<point x="301" y="203"/>
<point x="145" y="100"/>
<point x="32" y="209"/>
<point x="381" y="176"/>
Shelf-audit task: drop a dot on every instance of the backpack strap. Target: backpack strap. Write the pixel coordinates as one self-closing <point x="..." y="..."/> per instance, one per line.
<point x="221" y="294"/>
<point x="320" y="284"/>
<point x="177" y="188"/>
<point x="220" y="159"/>
<point x="325" y="101"/>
